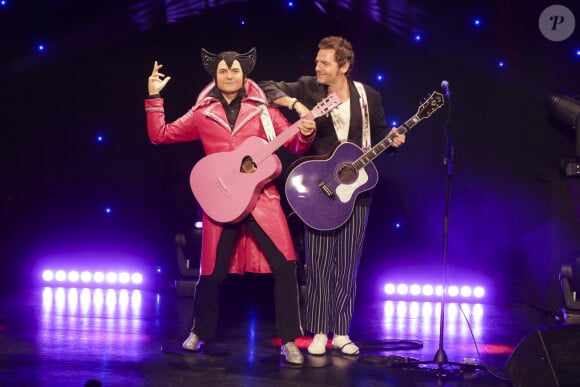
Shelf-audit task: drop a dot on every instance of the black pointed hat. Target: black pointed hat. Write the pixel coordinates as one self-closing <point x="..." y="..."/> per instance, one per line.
<point x="210" y="61"/>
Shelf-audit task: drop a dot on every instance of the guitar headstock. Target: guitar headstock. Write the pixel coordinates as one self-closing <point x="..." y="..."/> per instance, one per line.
<point x="431" y="104"/>
<point x="326" y="105"/>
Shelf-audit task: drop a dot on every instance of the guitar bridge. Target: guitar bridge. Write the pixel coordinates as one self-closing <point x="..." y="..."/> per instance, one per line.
<point x="223" y="187"/>
<point x="325" y="189"/>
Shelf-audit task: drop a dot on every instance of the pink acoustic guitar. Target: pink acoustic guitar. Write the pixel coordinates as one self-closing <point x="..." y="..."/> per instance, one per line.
<point x="227" y="184"/>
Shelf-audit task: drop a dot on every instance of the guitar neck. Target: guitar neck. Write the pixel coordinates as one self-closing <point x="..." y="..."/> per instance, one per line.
<point x="385" y="143"/>
<point x="281" y="139"/>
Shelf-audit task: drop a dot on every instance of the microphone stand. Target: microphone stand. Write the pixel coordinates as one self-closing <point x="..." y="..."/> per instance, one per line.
<point x="440" y="356"/>
<point x="440" y="359"/>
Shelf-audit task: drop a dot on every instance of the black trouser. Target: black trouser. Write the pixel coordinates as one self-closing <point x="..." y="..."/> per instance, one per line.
<point x="206" y="299"/>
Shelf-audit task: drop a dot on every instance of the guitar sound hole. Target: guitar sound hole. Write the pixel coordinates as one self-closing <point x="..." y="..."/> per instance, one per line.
<point x="347" y="174"/>
<point x="248" y="165"/>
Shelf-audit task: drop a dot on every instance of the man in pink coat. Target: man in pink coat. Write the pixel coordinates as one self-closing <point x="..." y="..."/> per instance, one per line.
<point x="227" y="112"/>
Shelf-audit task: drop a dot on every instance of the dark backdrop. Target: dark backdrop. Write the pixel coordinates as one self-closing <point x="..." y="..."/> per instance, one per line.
<point x="514" y="217"/>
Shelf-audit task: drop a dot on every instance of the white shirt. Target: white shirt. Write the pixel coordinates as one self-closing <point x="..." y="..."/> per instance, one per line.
<point x="341" y="119"/>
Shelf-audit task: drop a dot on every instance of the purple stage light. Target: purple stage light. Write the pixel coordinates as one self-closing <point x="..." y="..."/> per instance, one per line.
<point x="47" y="275"/>
<point x="60" y="275"/>
<point x="453" y="291"/>
<point x="402" y="289"/>
<point x="390" y="289"/>
<point x="87" y="278"/>
<point x="99" y="277"/>
<point x="124" y="278"/>
<point x="73" y="276"/>
<point x="415" y="290"/>
<point x="111" y="277"/>
<point x="137" y="278"/>
<point x="478" y="292"/>
<point x="426" y="291"/>
<point x="465" y="291"/>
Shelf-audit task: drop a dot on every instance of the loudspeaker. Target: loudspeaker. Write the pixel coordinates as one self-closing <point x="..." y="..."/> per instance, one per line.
<point x="549" y="356"/>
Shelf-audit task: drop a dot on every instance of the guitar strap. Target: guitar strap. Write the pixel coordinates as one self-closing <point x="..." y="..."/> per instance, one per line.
<point x="267" y="123"/>
<point x="364" y="108"/>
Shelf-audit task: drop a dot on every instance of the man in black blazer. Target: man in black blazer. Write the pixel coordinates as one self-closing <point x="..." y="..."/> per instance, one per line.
<point x="332" y="256"/>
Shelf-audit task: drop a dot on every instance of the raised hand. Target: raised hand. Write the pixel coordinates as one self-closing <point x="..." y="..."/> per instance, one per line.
<point x="157" y="80"/>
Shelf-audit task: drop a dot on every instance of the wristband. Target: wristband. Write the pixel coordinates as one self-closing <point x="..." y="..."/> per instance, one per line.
<point x="292" y="103"/>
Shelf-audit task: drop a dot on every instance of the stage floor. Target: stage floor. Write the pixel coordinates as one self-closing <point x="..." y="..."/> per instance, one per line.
<point x="74" y="337"/>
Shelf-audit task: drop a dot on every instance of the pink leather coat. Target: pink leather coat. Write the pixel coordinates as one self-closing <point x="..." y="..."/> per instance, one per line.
<point x="206" y="121"/>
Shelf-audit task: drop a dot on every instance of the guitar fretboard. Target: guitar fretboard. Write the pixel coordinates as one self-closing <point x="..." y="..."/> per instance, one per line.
<point x="434" y="102"/>
<point x="385" y="143"/>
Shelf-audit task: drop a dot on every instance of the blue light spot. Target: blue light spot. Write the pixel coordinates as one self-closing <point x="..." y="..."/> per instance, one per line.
<point x="40" y="47"/>
<point x="477" y="22"/>
<point x="243" y="22"/>
<point x="100" y="138"/>
<point x="108" y="210"/>
<point x="3" y="3"/>
<point x="158" y="269"/>
<point x="500" y="64"/>
<point x="397" y="225"/>
<point x="578" y="53"/>
<point x="418" y="38"/>
<point x="290" y="4"/>
<point x="380" y="77"/>
<point x="394" y="123"/>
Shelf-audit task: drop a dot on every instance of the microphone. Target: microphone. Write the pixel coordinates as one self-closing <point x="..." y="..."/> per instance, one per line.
<point x="445" y="86"/>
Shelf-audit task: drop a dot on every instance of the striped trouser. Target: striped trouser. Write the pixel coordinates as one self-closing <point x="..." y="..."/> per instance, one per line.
<point x="332" y="259"/>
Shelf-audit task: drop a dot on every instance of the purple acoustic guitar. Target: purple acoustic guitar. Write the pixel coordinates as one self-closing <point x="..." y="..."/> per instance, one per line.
<point x="227" y="184"/>
<point x="322" y="189"/>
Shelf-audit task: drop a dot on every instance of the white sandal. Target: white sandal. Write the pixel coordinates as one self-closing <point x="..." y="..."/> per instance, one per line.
<point x="345" y="346"/>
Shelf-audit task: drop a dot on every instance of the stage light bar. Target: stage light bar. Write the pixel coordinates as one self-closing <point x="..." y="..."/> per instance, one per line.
<point x="430" y="291"/>
<point x="73" y="278"/>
